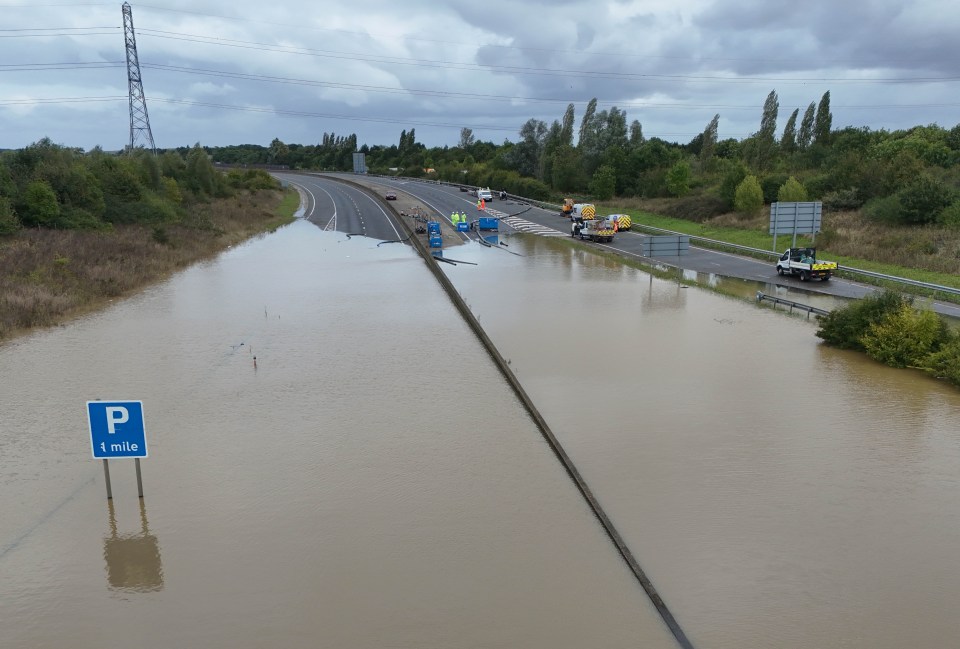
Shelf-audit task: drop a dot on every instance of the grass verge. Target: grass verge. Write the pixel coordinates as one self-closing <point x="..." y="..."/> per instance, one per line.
<point x="49" y="276"/>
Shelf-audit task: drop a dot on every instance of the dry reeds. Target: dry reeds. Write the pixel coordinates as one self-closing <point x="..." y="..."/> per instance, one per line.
<point x="47" y="276"/>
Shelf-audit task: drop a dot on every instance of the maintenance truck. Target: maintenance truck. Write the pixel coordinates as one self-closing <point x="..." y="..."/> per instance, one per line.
<point x="599" y="230"/>
<point x="803" y="262"/>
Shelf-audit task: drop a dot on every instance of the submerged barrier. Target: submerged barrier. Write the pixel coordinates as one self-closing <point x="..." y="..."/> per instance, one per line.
<point x="541" y="423"/>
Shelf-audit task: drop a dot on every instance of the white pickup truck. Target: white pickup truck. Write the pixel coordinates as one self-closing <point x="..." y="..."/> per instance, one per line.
<point x="599" y="230"/>
<point x="803" y="262"/>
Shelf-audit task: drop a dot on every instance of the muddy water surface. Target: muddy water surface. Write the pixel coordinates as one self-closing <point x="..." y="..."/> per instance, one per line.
<point x="371" y="483"/>
<point x="778" y="493"/>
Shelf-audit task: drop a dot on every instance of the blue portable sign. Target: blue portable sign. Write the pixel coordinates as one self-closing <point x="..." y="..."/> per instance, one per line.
<point x="116" y="429"/>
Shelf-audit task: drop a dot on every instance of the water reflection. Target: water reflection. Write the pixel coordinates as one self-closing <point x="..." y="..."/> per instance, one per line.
<point x="133" y="559"/>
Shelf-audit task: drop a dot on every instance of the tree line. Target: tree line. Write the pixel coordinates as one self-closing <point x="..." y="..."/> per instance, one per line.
<point x="47" y="185"/>
<point x="908" y="176"/>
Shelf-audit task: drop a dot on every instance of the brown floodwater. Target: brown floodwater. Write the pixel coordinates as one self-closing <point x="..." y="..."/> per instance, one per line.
<point x="374" y="483"/>
<point x="779" y="493"/>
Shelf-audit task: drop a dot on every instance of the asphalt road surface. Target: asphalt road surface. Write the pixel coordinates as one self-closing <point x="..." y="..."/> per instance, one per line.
<point x="525" y="217"/>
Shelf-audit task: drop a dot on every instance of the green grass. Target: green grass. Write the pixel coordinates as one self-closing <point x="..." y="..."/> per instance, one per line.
<point x="290" y="204"/>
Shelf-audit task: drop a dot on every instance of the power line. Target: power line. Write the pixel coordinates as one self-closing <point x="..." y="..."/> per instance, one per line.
<point x="593" y="74"/>
<point x="478" y="96"/>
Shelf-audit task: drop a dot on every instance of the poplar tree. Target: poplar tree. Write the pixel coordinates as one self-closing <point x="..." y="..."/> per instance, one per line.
<point x="824" y="120"/>
<point x="805" y="136"/>
<point x="788" y="142"/>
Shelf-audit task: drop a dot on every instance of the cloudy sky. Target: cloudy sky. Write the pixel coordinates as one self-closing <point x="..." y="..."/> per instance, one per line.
<point x="226" y="72"/>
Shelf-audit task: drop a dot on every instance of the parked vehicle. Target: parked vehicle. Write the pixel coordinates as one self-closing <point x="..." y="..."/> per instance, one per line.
<point x="390" y="196"/>
<point x="624" y="222"/>
<point x="803" y="262"/>
<point x="599" y="230"/>
<point x="567" y="207"/>
<point x="583" y="211"/>
<point x="485" y="194"/>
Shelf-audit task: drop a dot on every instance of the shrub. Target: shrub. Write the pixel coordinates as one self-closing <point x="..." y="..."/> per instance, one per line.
<point x="678" y="179"/>
<point x="950" y="216"/>
<point x="945" y="363"/>
<point x="40" y="205"/>
<point x="9" y="223"/>
<point x="885" y="209"/>
<point x="842" y="199"/>
<point x="845" y="327"/>
<point x="771" y="187"/>
<point x="905" y="337"/>
<point x="604" y="183"/>
<point x="749" y="197"/>
<point x="731" y="180"/>
<point x="923" y="200"/>
<point x="792" y="191"/>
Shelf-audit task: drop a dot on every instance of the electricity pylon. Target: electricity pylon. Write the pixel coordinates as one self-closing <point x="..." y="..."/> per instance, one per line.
<point x="140" y="133"/>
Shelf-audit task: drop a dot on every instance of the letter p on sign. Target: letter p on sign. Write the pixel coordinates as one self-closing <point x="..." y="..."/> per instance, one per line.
<point x="116" y="415"/>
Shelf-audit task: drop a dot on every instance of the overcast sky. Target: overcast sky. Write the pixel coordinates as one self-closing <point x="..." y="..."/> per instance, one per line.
<point x="223" y="72"/>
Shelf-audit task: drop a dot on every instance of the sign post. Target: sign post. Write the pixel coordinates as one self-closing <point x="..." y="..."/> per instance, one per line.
<point x="117" y="431"/>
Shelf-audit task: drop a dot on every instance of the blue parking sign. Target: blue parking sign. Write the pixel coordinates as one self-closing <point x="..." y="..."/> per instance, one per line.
<point x="116" y="429"/>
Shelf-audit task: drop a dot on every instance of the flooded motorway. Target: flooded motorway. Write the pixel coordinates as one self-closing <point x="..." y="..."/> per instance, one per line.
<point x="373" y="482"/>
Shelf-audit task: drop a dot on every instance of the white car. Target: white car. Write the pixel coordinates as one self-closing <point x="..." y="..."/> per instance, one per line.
<point x="485" y="194"/>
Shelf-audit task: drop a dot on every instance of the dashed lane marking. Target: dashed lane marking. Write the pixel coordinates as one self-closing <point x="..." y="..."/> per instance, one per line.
<point x="523" y="225"/>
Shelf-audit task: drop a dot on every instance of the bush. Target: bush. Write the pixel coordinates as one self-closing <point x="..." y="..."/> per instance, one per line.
<point x="792" y="191"/>
<point x="845" y="327"/>
<point x="749" y="197"/>
<point x="885" y="209"/>
<point x="950" y="216"/>
<point x="771" y="187"/>
<point x="604" y="183"/>
<point x="731" y="180"/>
<point x="678" y="179"/>
<point x="923" y="200"/>
<point x="905" y="337"/>
<point x="945" y="363"/>
<point x="9" y="223"/>
<point x="842" y="199"/>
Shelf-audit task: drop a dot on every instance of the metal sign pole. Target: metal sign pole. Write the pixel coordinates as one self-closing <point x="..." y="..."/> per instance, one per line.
<point x="106" y="475"/>
<point x="139" y="478"/>
<point x="776" y="213"/>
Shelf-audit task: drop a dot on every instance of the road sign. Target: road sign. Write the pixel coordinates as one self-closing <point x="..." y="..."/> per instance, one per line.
<point x="665" y="246"/>
<point x="116" y="429"/>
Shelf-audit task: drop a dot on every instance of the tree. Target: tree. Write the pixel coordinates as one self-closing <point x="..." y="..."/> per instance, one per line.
<point x="278" y="153"/>
<point x="587" y="121"/>
<point x="466" y="138"/>
<point x="636" y="135"/>
<point x="805" y="136"/>
<point x="200" y="174"/>
<point x="40" y="205"/>
<point x="749" y="196"/>
<point x="768" y="122"/>
<point x="678" y="179"/>
<point x="792" y="191"/>
<point x="788" y="142"/>
<point x="761" y="146"/>
<point x="709" y="142"/>
<point x="9" y="223"/>
<point x="566" y="128"/>
<point x="604" y="183"/>
<point x="922" y="200"/>
<point x="824" y="120"/>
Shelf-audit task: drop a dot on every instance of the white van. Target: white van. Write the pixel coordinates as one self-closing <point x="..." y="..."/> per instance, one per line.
<point x="485" y="194"/>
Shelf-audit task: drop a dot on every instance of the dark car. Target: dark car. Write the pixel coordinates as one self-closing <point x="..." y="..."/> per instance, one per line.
<point x="390" y="196"/>
<point x="463" y="189"/>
